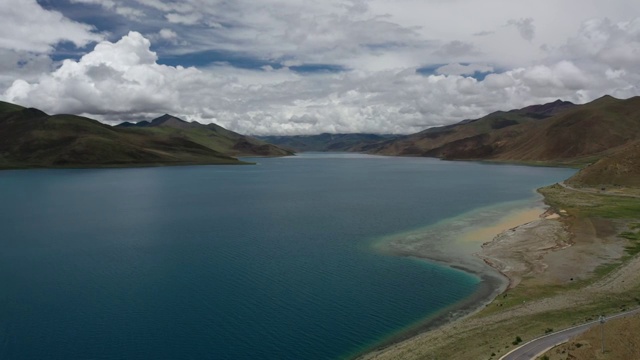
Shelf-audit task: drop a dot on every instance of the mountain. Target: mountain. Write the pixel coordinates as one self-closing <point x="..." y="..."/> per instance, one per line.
<point x="560" y="133"/>
<point x="327" y="142"/>
<point x="32" y="138"/>
<point x="468" y="138"/>
<point x="211" y="136"/>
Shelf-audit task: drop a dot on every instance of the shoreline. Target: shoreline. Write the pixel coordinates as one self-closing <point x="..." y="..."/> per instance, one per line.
<point x="493" y="281"/>
<point x="466" y="307"/>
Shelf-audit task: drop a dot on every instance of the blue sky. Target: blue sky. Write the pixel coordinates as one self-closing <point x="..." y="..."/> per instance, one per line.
<point x="300" y="67"/>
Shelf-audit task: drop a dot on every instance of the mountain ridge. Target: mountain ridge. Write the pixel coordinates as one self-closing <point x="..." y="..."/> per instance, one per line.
<point x="209" y="135"/>
<point x="601" y="133"/>
<point x="32" y="138"/>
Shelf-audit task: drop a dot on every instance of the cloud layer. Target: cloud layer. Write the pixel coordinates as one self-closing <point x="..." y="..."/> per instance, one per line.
<point x="379" y="88"/>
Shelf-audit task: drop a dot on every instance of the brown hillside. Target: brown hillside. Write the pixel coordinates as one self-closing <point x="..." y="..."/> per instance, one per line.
<point x="589" y="130"/>
<point x="574" y="134"/>
<point x="619" y="169"/>
<point x="459" y="140"/>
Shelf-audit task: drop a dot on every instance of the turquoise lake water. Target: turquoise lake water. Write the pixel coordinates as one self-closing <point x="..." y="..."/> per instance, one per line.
<point x="273" y="261"/>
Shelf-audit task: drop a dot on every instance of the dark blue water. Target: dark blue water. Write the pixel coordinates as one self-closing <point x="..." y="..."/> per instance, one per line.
<point x="272" y="261"/>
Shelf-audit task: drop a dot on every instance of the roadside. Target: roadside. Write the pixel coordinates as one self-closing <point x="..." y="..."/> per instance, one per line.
<point x="538" y="348"/>
<point x="618" y="337"/>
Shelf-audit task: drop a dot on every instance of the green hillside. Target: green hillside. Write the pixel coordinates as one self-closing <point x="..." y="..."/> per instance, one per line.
<point x="31" y="138"/>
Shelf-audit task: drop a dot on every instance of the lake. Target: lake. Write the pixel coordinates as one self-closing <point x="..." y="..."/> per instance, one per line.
<point x="271" y="261"/>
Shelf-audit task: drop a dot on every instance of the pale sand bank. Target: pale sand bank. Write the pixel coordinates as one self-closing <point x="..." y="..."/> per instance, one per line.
<point x="459" y="250"/>
<point x="510" y="221"/>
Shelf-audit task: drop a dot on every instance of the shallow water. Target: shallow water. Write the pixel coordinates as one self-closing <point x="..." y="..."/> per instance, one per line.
<point x="273" y="261"/>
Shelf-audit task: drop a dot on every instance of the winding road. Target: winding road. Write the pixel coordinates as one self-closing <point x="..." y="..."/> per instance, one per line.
<point x="539" y="346"/>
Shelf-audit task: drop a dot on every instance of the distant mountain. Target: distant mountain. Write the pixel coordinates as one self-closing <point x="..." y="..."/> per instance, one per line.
<point x="559" y="132"/>
<point x="211" y="135"/>
<point x="32" y="138"/>
<point x="327" y="142"/>
<point x="469" y="138"/>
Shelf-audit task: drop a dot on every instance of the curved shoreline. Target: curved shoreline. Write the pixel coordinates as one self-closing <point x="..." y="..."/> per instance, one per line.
<point x="486" y="292"/>
<point x="493" y="282"/>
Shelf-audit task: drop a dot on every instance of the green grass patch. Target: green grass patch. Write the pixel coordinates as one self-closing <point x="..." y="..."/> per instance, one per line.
<point x="581" y="204"/>
<point x="8" y="107"/>
<point x="634" y="240"/>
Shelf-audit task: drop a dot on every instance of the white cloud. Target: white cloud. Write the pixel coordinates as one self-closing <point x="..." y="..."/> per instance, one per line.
<point x="381" y="43"/>
<point x="114" y="78"/>
<point x="614" y="44"/>
<point x="26" y="26"/>
<point x="190" y="19"/>
<point x="126" y="11"/>
<point x="401" y="33"/>
<point x="168" y="35"/>
<point x="123" y="79"/>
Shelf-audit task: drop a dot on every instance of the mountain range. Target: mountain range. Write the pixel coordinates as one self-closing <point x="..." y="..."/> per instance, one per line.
<point x="602" y="137"/>
<point x="604" y="132"/>
<point x="559" y="132"/>
<point x="211" y="136"/>
<point x="32" y="138"/>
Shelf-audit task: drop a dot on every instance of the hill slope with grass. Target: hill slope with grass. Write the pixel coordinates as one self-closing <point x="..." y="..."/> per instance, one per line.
<point x="32" y="138"/>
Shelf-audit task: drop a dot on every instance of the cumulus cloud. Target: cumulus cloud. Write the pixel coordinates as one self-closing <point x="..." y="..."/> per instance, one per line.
<point x="378" y="47"/>
<point x="29" y="33"/>
<point x="616" y="45"/>
<point x="525" y="27"/>
<point x="117" y="77"/>
<point x="122" y="80"/>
